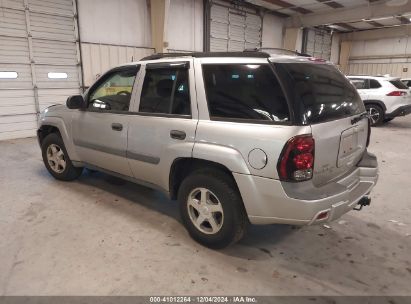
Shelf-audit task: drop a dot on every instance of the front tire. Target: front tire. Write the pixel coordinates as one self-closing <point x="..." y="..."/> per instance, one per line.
<point x="56" y="159"/>
<point x="376" y="114"/>
<point x="212" y="209"/>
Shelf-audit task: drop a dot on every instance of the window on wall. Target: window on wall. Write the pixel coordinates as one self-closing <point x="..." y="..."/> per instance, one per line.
<point x="57" y="75"/>
<point x="165" y="91"/>
<point x="244" y="91"/>
<point x="113" y="92"/>
<point x="8" y="75"/>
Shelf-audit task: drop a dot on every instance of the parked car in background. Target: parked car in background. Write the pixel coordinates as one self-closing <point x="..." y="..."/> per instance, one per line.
<point x="235" y="137"/>
<point x="384" y="97"/>
<point x="407" y="82"/>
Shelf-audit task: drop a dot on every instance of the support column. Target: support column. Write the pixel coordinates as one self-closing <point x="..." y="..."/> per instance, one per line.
<point x="292" y="39"/>
<point x="159" y="13"/>
<point x="345" y="51"/>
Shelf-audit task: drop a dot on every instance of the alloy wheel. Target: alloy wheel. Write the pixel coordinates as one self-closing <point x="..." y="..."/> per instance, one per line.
<point x="56" y="158"/>
<point x="374" y="115"/>
<point x="205" y="211"/>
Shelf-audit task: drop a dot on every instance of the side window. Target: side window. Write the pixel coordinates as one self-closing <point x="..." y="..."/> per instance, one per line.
<point x="374" y="84"/>
<point x="244" y="91"/>
<point x="359" y="83"/>
<point x="113" y="93"/>
<point x="165" y="91"/>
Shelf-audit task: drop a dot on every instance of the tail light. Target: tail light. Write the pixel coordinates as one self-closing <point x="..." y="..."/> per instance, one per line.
<point x="297" y="159"/>
<point x="397" y="93"/>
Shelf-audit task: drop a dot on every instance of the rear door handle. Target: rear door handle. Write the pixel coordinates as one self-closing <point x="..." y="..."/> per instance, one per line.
<point x="117" y="126"/>
<point x="177" y="134"/>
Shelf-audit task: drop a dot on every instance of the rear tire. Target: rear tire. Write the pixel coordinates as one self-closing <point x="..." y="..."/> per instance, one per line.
<point x="56" y="159"/>
<point x="211" y="208"/>
<point x="376" y="114"/>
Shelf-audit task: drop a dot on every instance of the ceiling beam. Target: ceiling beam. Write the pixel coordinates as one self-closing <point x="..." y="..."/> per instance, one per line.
<point x="381" y="33"/>
<point x="332" y="4"/>
<point x="346" y="26"/>
<point x="344" y="15"/>
<point x="374" y="23"/>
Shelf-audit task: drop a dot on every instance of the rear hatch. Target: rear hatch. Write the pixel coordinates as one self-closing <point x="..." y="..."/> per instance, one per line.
<point x="324" y="98"/>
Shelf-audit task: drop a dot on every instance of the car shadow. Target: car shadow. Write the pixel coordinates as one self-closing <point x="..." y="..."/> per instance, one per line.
<point x="347" y="255"/>
<point x="397" y="123"/>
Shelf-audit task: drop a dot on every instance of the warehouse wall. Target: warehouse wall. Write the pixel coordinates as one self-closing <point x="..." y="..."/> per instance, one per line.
<point x="184" y="30"/>
<point x="112" y="32"/>
<point x="383" y="51"/>
<point x="273" y="28"/>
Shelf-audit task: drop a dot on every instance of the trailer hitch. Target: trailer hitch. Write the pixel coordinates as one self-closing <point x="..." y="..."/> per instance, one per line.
<point x="364" y="201"/>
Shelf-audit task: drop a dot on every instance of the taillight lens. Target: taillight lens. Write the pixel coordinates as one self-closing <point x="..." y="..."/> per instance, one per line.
<point x="297" y="159"/>
<point x="397" y="93"/>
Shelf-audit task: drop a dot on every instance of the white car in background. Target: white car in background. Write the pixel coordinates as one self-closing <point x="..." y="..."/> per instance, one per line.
<point x="406" y="81"/>
<point x="384" y="97"/>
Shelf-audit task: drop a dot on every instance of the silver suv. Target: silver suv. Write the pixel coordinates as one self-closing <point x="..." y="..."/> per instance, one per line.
<point x="237" y="138"/>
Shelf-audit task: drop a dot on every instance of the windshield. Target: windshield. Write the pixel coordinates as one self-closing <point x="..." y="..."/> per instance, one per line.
<point x="319" y="92"/>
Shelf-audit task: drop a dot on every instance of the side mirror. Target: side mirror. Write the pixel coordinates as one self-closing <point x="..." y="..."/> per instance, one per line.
<point x="76" y="102"/>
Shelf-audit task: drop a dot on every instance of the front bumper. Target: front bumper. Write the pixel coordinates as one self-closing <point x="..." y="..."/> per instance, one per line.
<point x="270" y="201"/>
<point x="401" y="111"/>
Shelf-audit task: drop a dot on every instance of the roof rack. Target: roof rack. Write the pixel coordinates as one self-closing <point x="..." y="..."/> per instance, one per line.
<point x="245" y="53"/>
<point x="279" y="50"/>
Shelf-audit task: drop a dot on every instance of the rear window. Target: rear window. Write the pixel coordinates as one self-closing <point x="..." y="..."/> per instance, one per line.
<point x="398" y="84"/>
<point x="248" y="92"/>
<point x="319" y="92"/>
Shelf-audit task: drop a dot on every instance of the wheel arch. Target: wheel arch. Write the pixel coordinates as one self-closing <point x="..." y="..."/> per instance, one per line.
<point x="376" y="102"/>
<point x="182" y="167"/>
<point x="57" y="125"/>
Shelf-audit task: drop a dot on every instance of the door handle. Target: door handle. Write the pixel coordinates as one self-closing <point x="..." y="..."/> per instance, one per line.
<point x="117" y="126"/>
<point x="176" y="134"/>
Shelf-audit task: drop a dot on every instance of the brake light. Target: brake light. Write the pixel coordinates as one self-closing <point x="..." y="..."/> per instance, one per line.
<point x="297" y="159"/>
<point x="397" y="93"/>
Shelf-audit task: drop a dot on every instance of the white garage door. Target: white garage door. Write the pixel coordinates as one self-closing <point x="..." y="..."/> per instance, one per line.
<point x="233" y="27"/>
<point x="318" y="43"/>
<point x="39" y="62"/>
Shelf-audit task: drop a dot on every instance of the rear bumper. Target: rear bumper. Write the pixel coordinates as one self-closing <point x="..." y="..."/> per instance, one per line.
<point x="269" y="201"/>
<point x="401" y="111"/>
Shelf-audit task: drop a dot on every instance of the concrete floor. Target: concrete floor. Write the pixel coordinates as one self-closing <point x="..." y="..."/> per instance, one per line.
<point x="102" y="236"/>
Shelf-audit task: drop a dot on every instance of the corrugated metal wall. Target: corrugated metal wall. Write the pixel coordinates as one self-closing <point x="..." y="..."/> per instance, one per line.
<point x="112" y="33"/>
<point x="398" y="67"/>
<point x="185" y="19"/>
<point x="381" y="56"/>
<point x="98" y="58"/>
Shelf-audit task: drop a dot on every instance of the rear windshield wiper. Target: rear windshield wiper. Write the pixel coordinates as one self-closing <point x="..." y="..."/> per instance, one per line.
<point x="358" y="118"/>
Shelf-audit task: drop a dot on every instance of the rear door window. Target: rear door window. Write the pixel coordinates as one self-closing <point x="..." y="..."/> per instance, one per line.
<point x="165" y="91"/>
<point x="249" y="92"/>
<point x="319" y="92"/>
<point x="360" y="83"/>
<point x="374" y="84"/>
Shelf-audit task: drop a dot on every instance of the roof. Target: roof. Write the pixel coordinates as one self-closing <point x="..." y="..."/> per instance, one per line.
<point x="382" y="77"/>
